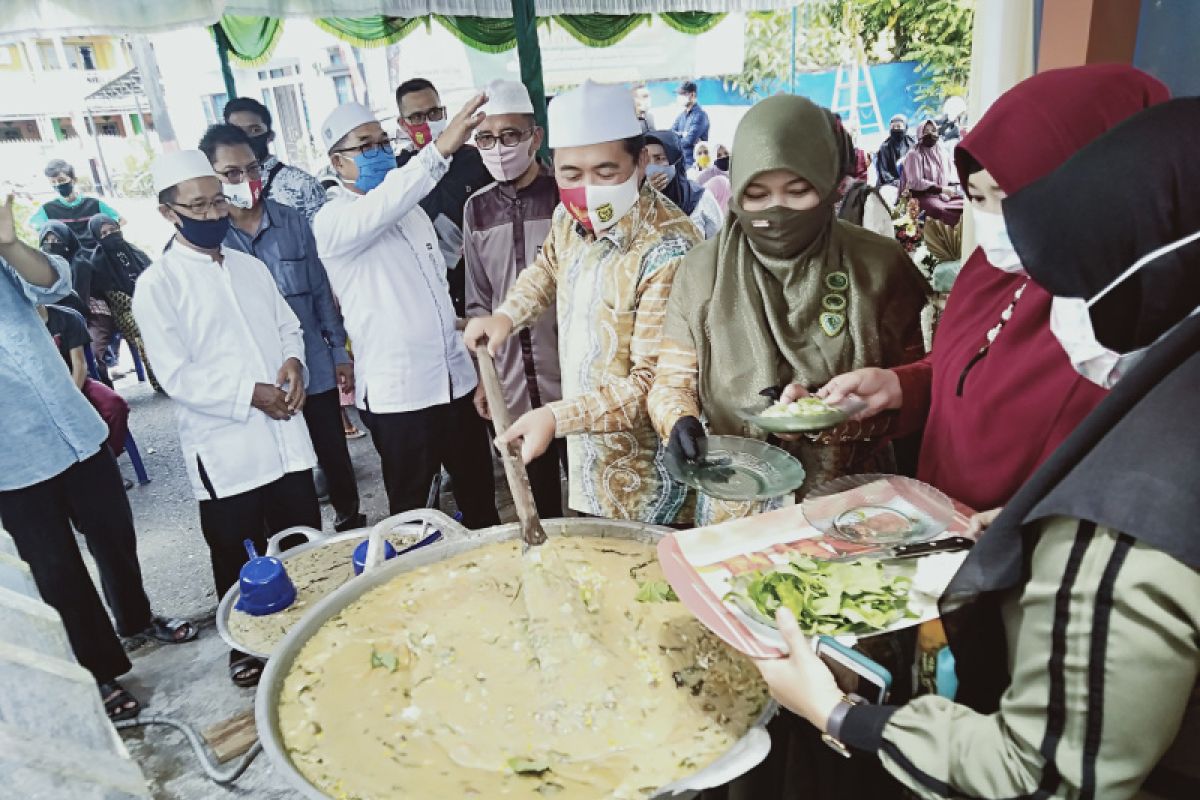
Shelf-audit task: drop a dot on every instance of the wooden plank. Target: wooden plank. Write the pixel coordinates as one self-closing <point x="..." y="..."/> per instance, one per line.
<point x="232" y="737"/>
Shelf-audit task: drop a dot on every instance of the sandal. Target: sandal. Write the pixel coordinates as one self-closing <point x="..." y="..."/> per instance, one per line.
<point x="119" y="704"/>
<point x="244" y="669"/>
<point x="354" y="433"/>
<point x="171" y="631"/>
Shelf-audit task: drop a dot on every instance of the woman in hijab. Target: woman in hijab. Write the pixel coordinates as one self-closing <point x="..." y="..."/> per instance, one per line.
<point x="1076" y="619"/>
<point x="116" y="266"/>
<point x="718" y="186"/>
<point x="701" y="159"/>
<point x="996" y="395"/>
<point x="668" y="174"/>
<point x="785" y="293"/>
<point x="926" y="177"/>
<point x="86" y="298"/>
<point x="719" y="168"/>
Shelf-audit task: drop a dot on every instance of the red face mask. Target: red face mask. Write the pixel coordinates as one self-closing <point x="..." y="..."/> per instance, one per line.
<point x="575" y="199"/>
<point x="426" y="132"/>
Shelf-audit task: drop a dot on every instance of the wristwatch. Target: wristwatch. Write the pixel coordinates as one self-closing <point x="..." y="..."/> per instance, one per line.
<point x="836" y="718"/>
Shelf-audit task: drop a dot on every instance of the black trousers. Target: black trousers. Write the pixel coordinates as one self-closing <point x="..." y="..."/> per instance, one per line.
<point x="545" y="479"/>
<point x="92" y="494"/>
<point x="414" y="445"/>
<point x="255" y="515"/>
<point x="323" y="416"/>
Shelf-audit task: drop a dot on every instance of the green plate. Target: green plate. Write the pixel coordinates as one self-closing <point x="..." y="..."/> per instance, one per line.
<point x="793" y="424"/>
<point x="738" y="469"/>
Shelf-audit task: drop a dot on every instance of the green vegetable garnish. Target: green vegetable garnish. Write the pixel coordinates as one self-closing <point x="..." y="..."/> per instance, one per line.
<point x="528" y="766"/>
<point x="656" y="592"/>
<point x="386" y="660"/>
<point x="827" y="597"/>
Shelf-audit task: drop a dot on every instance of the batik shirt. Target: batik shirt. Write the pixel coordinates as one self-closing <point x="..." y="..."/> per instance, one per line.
<point x="293" y="187"/>
<point x="611" y="293"/>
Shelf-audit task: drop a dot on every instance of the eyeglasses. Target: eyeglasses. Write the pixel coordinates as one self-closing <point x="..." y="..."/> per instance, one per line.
<point x="508" y="137"/>
<point x="200" y="208"/>
<point x="236" y="174"/>
<point x="368" y="149"/>
<point x="432" y="115"/>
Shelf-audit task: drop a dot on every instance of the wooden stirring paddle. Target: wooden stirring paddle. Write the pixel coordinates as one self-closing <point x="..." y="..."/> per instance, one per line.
<point x="514" y="467"/>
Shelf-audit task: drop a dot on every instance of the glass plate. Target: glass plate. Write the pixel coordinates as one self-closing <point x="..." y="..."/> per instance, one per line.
<point x="738" y="469"/>
<point x="879" y="510"/>
<point x="836" y="415"/>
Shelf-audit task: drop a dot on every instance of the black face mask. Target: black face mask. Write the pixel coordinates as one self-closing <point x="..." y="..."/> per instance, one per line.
<point x="722" y="163"/>
<point x="113" y="241"/>
<point x="56" y="249"/>
<point x="897" y="134"/>
<point x="781" y="232"/>
<point x="65" y="189"/>
<point x="929" y="139"/>
<point x="258" y="144"/>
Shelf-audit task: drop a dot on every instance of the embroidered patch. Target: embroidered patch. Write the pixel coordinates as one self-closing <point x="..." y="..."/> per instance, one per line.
<point x="837" y="281"/>
<point x="831" y="324"/>
<point x="834" y="302"/>
<point x="605" y="212"/>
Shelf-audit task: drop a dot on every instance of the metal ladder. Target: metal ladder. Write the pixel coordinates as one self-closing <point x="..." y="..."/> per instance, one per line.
<point x="852" y="74"/>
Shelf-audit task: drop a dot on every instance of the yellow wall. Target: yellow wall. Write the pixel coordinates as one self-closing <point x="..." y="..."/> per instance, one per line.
<point x="15" y="61"/>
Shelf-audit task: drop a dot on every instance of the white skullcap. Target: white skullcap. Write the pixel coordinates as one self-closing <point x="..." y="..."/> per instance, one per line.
<point x="507" y="97"/>
<point x="591" y="114"/>
<point x="342" y="120"/>
<point x="172" y="169"/>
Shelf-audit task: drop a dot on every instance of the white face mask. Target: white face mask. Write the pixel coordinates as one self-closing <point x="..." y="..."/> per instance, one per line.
<point x="992" y="235"/>
<point x="240" y="195"/>
<point x="681" y="100"/>
<point x="598" y="208"/>
<point x="436" y="126"/>
<point x="1071" y="324"/>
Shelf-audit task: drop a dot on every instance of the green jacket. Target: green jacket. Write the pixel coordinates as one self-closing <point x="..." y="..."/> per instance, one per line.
<point x="1104" y="643"/>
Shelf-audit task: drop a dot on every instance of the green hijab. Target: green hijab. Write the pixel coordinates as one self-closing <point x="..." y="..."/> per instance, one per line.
<point x="832" y="297"/>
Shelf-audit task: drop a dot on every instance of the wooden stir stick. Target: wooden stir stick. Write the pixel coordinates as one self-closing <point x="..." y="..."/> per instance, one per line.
<point x="532" y="531"/>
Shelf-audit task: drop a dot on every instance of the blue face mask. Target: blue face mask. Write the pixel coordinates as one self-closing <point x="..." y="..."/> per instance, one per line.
<point x="373" y="168"/>
<point x="659" y="169"/>
<point x="207" y="234"/>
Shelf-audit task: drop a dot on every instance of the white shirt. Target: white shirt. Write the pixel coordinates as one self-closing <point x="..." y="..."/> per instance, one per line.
<point x="383" y="260"/>
<point x="707" y="215"/>
<point x="212" y="331"/>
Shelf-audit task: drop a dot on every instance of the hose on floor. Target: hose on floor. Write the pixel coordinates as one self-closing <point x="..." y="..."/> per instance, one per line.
<point x="216" y="774"/>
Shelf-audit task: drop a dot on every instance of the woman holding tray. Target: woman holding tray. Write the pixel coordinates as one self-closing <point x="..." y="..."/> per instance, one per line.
<point x="997" y="394"/>
<point x="1076" y="618"/>
<point x="785" y="292"/>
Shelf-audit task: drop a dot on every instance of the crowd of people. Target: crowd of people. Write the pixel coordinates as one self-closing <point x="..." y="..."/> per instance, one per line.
<point x="636" y="290"/>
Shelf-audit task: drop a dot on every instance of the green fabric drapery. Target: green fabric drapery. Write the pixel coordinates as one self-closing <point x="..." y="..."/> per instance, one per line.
<point x="490" y="35"/>
<point x="369" y="31"/>
<point x="252" y="39"/>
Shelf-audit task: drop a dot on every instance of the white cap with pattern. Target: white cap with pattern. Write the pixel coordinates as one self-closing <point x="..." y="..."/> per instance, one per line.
<point x="592" y="113"/>
<point x="342" y="120"/>
<point x="172" y="169"/>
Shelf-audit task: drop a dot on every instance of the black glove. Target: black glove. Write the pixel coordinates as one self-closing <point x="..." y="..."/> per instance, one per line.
<point x="686" y="439"/>
<point x="773" y="393"/>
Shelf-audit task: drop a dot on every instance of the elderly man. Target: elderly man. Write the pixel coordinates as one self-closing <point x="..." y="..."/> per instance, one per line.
<point x="230" y="353"/>
<point x="414" y="379"/>
<point x="609" y="260"/>
<point x="282" y="239"/>
<point x="504" y="227"/>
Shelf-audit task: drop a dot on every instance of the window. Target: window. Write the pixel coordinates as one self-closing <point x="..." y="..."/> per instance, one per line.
<point x="214" y="107"/>
<point x="48" y="55"/>
<point x="335" y="57"/>
<point x="343" y="88"/>
<point x="87" y="56"/>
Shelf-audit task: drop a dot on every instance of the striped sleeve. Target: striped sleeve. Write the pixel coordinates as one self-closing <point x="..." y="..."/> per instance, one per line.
<point x="1106" y="653"/>
<point x="619" y="405"/>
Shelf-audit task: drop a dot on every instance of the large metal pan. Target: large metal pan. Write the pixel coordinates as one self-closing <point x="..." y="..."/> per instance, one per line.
<point x="745" y="754"/>
<point x="407" y="522"/>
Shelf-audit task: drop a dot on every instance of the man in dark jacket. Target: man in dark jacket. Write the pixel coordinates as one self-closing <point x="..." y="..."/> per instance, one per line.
<point x="422" y="118"/>
<point x="893" y="150"/>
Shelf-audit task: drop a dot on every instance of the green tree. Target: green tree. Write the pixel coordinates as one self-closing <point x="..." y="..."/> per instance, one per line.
<point x="934" y="33"/>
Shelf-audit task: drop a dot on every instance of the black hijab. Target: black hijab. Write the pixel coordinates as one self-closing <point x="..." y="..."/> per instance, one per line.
<point x="681" y="191"/>
<point x="117" y="263"/>
<point x="81" y="271"/>
<point x="892" y="152"/>
<point x="1131" y="464"/>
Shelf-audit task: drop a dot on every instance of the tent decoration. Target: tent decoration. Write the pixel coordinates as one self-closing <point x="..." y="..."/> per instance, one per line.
<point x="252" y="39"/>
